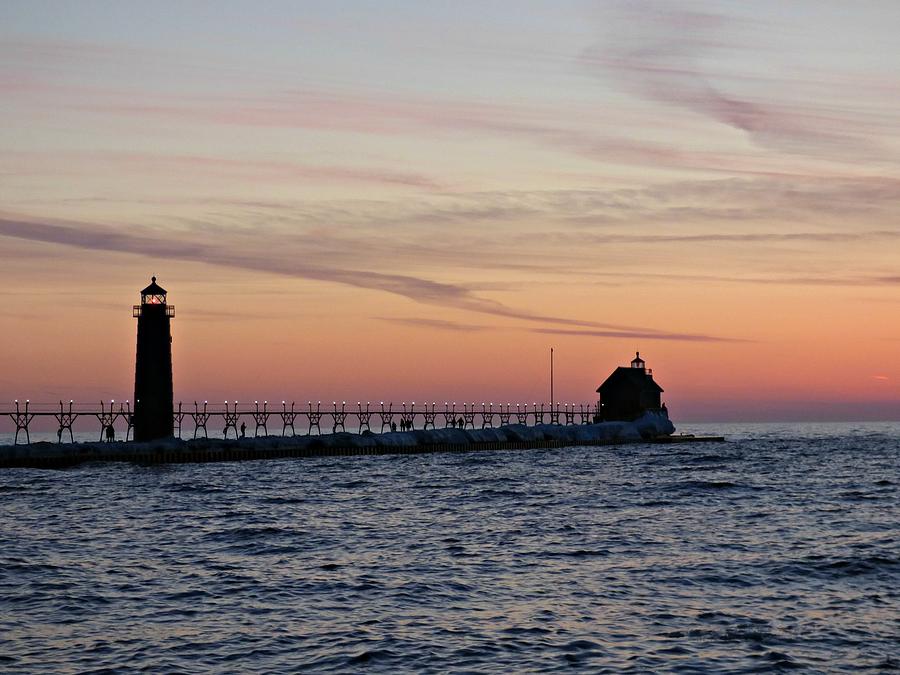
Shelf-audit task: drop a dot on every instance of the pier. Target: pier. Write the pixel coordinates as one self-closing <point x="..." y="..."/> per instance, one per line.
<point x="650" y="428"/>
<point x="157" y="430"/>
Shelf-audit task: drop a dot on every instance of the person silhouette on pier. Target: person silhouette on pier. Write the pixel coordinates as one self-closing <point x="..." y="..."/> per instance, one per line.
<point x="393" y="426"/>
<point x="243" y="430"/>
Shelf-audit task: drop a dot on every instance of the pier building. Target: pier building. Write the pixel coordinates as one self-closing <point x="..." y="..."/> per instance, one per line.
<point x="629" y="392"/>
<point x="153" y="395"/>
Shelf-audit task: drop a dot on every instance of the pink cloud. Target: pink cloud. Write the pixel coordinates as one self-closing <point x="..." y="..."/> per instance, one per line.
<point x="662" y="60"/>
<point x="329" y="111"/>
<point x="233" y="253"/>
<point x="667" y="54"/>
<point x="246" y="169"/>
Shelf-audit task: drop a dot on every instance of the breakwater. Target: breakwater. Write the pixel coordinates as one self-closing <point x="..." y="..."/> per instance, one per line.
<point x="650" y="426"/>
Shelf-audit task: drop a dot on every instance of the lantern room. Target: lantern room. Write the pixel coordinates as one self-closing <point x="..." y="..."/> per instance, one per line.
<point x="636" y="362"/>
<point x="154" y="295"/>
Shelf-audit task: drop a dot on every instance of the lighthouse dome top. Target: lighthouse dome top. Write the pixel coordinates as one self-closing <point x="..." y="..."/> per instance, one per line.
<point x="154" y="294"/>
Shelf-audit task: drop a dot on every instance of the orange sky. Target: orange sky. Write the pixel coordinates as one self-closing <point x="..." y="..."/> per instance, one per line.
<point x="718" y="190"/>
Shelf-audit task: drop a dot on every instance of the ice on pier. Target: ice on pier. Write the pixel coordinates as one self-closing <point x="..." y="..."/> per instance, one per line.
<point x="648" y="426"/>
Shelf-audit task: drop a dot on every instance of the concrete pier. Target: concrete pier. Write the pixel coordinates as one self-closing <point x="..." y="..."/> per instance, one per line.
<point x="650" y="428"/>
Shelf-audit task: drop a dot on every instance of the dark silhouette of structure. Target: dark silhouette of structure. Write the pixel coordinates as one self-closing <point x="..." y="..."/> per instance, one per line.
<point x="629" y="392"/>
<point x="153" y="404"/>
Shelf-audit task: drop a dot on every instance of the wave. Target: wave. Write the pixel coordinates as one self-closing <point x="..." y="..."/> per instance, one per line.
<point x="821" y="567"/>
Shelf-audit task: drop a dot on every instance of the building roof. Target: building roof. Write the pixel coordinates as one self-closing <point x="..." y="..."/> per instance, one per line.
<point x="635" y="377"/>
<point x="153" y="288"/>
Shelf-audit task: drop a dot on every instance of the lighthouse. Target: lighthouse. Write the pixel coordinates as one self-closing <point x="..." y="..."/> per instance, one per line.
<point x="153" y="409"/>
<point x="629" y="392"/>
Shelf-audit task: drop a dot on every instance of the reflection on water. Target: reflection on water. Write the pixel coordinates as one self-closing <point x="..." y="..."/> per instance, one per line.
<point x="777" y="550"/>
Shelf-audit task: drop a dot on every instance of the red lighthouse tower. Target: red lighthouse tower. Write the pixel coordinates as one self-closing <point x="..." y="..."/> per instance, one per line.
<point x="153" y="407"/>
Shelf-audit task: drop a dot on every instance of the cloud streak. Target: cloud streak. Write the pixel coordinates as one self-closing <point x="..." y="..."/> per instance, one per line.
<point x="414" y="288"/>
<point x="664" y="53"/>
<point x="743" y="237"/>
<point x="441" y="324"/>
<point x="680" y="337"/>
<point x="766" y="231"/>
<point x="655" y="51"/>
<point x="438" y="324"/>
<point x="373" y="113"/>
<point x="244" y="170"/>
<point x="779" y="280"/>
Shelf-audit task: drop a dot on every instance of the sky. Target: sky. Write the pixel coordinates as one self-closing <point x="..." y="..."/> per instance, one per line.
<point x="417" y="200"/>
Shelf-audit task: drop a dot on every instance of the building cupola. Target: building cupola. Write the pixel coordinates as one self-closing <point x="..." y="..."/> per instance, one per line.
<point x="154" y="294"/>
<point x="638" y="362"/>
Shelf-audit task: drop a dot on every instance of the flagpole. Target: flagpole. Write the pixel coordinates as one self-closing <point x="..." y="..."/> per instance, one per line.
<point x="551" y="378"/>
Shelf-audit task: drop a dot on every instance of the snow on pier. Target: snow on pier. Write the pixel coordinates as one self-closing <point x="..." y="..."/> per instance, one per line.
<point x="650" y="426"/>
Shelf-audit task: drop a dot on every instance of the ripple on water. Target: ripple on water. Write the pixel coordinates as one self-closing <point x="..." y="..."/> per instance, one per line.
<point x="761" y="556"/>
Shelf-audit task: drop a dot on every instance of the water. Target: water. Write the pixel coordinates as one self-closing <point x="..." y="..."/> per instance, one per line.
<point x="776" y="551"/>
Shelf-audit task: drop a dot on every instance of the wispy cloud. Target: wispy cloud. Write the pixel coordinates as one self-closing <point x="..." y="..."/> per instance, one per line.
<point x="246" y="170"/>
<point x="658" y="51"/>
<point x="419" y="289"/>
<point x="455" y="326"/>
<point x="743" y="237"/>
<point x="732" y="203"/>
<point x="408" y="115"/>
<point x="787" y="231"/>
<point x="668" y="53"/>
<point x="680" y="337"/>
<point x="370" y="112"/>
<point x="439" y="324"/>
<point x="764" y="226"/>
<point x="773" y="280"/>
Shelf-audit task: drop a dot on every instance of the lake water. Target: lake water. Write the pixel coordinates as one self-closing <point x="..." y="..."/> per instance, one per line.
<point x="776" y="550"/>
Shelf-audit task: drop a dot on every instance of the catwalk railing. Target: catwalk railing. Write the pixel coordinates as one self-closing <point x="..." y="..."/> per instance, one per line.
<point x="233" y="419"/>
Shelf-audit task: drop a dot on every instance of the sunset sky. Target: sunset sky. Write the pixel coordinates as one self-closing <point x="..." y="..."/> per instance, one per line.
<point x="416" y="200"/>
